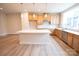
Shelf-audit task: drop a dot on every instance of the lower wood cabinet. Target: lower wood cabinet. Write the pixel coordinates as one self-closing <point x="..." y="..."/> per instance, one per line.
<point x="70" y="39"/>
<point x="64" y="36"/>
<point x="57" y="33"/>
<point x="54" y="32"/>
<point x="76" y="42"/>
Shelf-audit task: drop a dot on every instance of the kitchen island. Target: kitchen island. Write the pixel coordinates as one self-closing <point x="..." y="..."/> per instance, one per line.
<point x="34" y="36"/>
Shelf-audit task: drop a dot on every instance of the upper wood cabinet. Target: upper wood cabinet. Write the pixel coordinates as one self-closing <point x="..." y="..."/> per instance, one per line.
<point x="47" y="18"/>
<point x="39" y="17"/>
<point x="30" y="17"/>
<point x="39" y="22"/>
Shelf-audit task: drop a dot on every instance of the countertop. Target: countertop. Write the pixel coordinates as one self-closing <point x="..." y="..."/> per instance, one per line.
<point x="70" y="31"/>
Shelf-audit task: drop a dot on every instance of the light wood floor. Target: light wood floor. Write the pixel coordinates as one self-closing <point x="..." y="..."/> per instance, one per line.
<point x="9" y="46"/>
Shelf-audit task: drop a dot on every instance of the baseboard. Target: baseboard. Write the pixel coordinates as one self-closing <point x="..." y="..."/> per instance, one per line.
<point x="11" y="33"/>
<point x="3" y="34"/>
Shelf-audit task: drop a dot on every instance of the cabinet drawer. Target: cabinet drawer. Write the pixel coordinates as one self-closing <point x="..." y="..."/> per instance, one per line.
<point x="76" y="36"/>
<point x="64" y="36"/>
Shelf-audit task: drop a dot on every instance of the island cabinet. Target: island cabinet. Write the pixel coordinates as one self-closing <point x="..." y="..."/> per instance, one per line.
<point x="70" y="39"/>
<point x="76" y="42"/>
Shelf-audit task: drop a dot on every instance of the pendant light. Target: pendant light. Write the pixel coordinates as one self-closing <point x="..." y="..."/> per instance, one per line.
<point x="45" y="15"/>
<point x="34" y="10"/>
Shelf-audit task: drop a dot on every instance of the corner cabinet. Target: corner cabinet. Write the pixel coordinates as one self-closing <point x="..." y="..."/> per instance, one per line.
<point x="57" y="33"/>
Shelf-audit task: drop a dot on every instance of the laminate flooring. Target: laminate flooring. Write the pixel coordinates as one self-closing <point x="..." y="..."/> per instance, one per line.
<point x="9" y="46"/>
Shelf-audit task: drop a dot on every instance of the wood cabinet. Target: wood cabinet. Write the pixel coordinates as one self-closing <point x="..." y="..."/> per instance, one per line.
<point x="39" y="17"/>
<point x="30" y="17"/>
<point x="64" y="36"/>
<point x="54" y="32"/>
<point x="76" y="42"/>
<point x="70" y="39"/>
<point x="57" y="33"/>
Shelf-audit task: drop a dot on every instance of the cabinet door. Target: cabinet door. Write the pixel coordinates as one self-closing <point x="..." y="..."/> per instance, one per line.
<point x="54" y="32"/>
<point x="60" y="34"/>
<point x="57" y="33"/>
<point x="76" y="43"/>
<point x="64" y="36"/>
<point x="70" y="39"/>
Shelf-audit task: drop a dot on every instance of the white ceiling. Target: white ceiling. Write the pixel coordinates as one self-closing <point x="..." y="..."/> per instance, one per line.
<point x="35" y="7"/>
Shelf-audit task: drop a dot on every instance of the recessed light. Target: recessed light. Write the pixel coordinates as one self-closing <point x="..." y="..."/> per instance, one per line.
<point x="1" y="8"/>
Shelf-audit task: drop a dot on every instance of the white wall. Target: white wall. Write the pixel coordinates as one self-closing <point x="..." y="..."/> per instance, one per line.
<point x="10" y="23"/>
<point x="3" y="30"/>
<point x="13" y="22"/>
<point x="25" y="21"/>
<point x="55" y="20"/>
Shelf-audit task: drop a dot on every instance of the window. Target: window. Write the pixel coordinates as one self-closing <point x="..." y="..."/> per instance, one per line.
<point x="71" y="19"/>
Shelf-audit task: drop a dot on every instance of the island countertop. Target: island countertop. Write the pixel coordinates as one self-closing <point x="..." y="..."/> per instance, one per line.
<point x="34" y="31"/>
